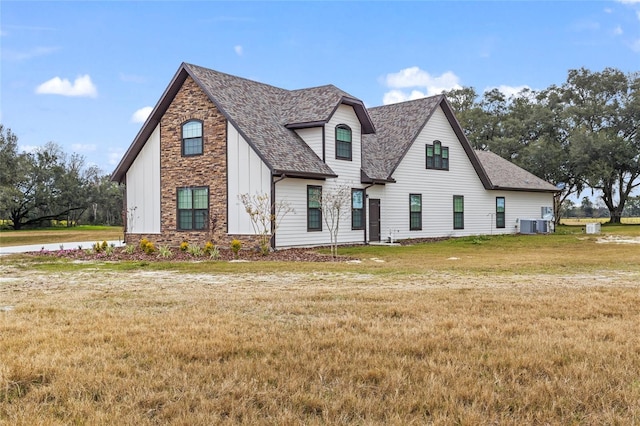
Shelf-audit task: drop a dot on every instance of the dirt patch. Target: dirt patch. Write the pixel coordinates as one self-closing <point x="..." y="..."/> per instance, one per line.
<point x="618" y="239"/>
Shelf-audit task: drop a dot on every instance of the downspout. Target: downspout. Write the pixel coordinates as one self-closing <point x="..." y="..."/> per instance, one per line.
<point x="273" y="209"/>
<point x="364" y="211"/>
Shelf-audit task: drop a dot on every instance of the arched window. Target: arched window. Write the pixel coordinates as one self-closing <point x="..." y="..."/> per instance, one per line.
<point x="192" y="138"/>
<point x="343" y="142"/>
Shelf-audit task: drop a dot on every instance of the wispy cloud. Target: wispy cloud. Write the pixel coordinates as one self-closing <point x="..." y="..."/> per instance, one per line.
<point x="628" y="1"/>
<point x="114" y="156"/>
<point x="510" y="91"/>
<point x="421" y="82"/>
<point x="141" y="115"/>
<point x="239" y="50"/>
<point x="635" y="45"/>
<point x="17" y="56"/>
<point x="81" y="87"/>
<point x="29" y="148"/>
<point x="83" y="147"/>
<point x="618" y="30"/>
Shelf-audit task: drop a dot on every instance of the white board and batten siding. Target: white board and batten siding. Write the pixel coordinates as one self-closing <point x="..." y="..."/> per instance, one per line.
<point x="246" y="174"/>
<point x="143" y="188"/>
<point x="438" y="188"/>
<point x="293" y="229"/>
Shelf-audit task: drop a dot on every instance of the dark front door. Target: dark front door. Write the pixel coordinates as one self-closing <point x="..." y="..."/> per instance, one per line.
<point x="374" y="219"/>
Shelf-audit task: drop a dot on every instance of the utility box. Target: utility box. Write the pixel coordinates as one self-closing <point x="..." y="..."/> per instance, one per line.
<point x="528" y="226"/>
<point x="593" y="228"/>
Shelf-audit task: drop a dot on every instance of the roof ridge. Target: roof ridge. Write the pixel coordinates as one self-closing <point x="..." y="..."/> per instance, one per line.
<point x="406" y="102"/>
<point x="236" y="77"/>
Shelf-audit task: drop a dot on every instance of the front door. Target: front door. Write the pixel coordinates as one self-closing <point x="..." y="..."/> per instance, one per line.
<point x="374" y="219"/>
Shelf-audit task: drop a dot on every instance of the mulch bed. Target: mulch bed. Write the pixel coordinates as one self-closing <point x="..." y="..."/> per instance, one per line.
<point x="119" y="254"/>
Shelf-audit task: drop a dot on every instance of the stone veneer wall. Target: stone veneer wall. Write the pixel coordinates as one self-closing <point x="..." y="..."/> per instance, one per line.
<point x="208" y="169"/>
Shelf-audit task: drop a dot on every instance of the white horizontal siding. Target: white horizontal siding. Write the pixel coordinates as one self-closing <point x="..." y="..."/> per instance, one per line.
<point x="143" y="188"/>
<point x="293" y="228"/>
<point x="246" y="174"/>
<point x="313" y="138"/>
<point x="348" y="171"/>
<point x="439" y="186"/>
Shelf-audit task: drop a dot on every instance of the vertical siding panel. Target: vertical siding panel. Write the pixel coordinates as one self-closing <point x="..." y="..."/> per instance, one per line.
<point x="143" y="188"/>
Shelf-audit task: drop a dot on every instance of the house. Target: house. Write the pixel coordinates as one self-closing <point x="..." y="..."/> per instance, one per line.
<point x="411" y="170"/>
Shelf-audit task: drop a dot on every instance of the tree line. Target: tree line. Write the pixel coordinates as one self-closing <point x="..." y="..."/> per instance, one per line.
<point x="580" y="135"/>
<point x="37" y="188"/>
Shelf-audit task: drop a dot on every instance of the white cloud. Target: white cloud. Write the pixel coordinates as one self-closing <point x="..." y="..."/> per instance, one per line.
<point x="608" y="10"/>
<point x="617" y="30"/>
<point x="635" y="45"/>
<point x="114" y="156"/>
<point x="141" y="115"/>
<point x="17" y="56"/>
<point x="83" y="147"/>
<point x="638" y="15"/>
<point x="29" y="148"/>
<point x="239" y="50"/>
<point x="629" y="1"/>
<point x="82" y="86"/>
<point x="509" y="91"/>
<point x="423" y="84"/>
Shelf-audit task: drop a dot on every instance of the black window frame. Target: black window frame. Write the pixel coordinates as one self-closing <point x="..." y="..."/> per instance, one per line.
<point x="500" y="215"/>
<point x="185" y="140"/>
<point x="338" y="142"/>
<point x="458" y="224"/>
<point x="357" y="213"/>
<point x="315" y="209"/>
<point x="437" y="156"/>
<point x="194" y="211"/>
<point x="415" y="217"/>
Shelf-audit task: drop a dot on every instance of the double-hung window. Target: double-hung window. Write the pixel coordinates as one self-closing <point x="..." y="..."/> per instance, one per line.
<point x="458" y="212"/>
<point x="437" y="156"/>
<point x="314" y="208"/>
<point x="500" y="222"/>
<point x="415" y="212"/>
<point x="343" y="142"/>
<point x="357" y="209"/>
<point x="193" y="208"/>
<point x="192" y="138"/>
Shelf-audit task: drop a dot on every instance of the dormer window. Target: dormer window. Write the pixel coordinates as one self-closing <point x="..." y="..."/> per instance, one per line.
<point x="437" y="156"/>
<point x="192" y="138"/>
<point x="343" y="142"/>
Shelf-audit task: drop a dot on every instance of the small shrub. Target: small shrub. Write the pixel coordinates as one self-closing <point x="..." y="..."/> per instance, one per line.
<point x="236" y="245"/>
<point x="104" y="245"/>
<point x="109" y="250"/>
<point x="208" y="247"/>
<point x="214" y="253"/>
<point x="129" y="249"/>
<point x="143" y="243"/>
<point x="194" y="250"/>
<point x="184" y="246"/>
<point x="97" y="247"/>
<point x="149" y="248"/>
<point x="164" y="251"/>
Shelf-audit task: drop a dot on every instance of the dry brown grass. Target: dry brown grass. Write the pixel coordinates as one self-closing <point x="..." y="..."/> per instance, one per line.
<point x="60" y="235"/>
<point x="327" y="345"/>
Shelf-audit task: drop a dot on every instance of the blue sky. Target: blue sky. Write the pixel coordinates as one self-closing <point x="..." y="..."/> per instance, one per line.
<point x="84" y="73"/>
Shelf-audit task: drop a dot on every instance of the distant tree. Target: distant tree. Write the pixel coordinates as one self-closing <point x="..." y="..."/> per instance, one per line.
<point x="603" y="121"/>
<point x="587" y="207"/>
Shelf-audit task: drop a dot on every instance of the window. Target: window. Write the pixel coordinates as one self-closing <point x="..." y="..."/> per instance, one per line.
<point x="437" y="156"/>
<point x="314" y="208"/>
<point x="357" y="209"/>
<point x="458" y="212"/>
<point x="415" y="212"/>
<point x="192" y="138"/>
<point x="343" y="142"/>
<point x="193" y="208"/>
<point x="500" y="223"/>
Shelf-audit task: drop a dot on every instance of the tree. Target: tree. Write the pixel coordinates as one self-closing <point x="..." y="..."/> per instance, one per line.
<point x="335" y="202"/>
<point x="265" y="216"/>
<point x="603" y="113"/>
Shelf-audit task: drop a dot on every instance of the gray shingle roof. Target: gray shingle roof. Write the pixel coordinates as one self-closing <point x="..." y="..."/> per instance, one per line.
<point x="503" y="174"/>
<point x="397" y="126"/>
<point x="260" y="112"/>
<point x="265" y="115"/>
